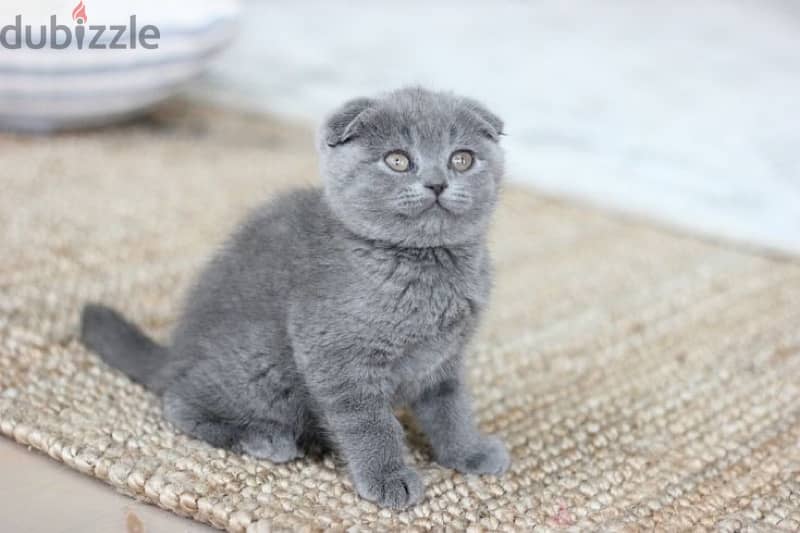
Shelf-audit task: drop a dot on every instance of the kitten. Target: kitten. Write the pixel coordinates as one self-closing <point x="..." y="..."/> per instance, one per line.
<point x="328" y="308"/>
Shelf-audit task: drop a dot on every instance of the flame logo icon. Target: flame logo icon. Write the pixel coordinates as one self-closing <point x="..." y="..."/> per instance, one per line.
<point x="79" y="13"/>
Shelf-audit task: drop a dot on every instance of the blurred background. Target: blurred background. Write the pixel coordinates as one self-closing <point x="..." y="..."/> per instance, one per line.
<point x="684" y="112"/>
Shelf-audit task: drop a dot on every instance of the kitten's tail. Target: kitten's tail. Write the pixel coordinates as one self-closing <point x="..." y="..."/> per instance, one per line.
<point x="123" y="345"/>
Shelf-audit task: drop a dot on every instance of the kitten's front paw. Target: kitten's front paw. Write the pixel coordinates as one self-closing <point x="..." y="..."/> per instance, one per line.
<point x="489" y="456"/>
<point x="397" y="490"/>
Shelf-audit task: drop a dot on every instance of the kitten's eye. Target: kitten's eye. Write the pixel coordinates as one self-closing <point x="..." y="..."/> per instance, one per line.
<point x="397" y="161"/>
<point x="461" y="160"/>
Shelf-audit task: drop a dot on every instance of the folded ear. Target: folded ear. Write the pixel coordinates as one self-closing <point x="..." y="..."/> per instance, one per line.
<point x="346" y="122"/>
<point x="489" y="123"/>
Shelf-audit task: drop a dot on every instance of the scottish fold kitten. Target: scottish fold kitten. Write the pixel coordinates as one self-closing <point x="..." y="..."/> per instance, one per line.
<point x="327" y="308"/>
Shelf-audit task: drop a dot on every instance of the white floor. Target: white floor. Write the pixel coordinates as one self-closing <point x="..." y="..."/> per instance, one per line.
<point x="684" y="111"/>
<point x="41" y="495"/>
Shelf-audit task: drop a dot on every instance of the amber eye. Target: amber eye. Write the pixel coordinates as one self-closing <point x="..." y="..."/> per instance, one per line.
<point x="397" y="161"/>
<point x="461" y="160"/>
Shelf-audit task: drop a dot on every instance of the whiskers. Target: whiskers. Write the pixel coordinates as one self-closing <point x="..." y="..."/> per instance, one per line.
<point x="413" y="202"/>
<point x="456" y="200"/>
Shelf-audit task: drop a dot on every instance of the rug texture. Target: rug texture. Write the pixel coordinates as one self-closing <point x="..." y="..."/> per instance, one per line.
<point x="643" y="380"/>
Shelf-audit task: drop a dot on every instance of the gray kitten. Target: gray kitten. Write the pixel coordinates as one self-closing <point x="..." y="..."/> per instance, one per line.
<point x="328" y="308"/>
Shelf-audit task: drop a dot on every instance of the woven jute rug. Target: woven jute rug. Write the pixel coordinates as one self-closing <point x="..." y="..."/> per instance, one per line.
<point x="644" y="380"/>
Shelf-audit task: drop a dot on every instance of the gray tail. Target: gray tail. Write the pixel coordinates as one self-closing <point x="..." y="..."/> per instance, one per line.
<point x="123" y="345"/>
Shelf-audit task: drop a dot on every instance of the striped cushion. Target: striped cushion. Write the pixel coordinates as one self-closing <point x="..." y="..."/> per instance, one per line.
<point x="47" y="89"/>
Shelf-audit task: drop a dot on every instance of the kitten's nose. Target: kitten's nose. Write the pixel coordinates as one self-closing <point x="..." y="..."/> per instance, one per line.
<point x="437" y="188"/>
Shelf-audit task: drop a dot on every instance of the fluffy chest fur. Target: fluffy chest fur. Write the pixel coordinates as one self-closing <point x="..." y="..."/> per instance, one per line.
<point x="417" y="296"/>
<point x="406" y="311"/>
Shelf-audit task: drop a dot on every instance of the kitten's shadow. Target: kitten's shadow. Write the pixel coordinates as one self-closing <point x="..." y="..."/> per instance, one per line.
<point x="417" y="440"/>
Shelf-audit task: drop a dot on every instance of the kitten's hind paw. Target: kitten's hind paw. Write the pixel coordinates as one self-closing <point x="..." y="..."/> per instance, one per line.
<point x="276" y="445"/>
<point x="397" y="490"/>
<point x="489" y="456"/>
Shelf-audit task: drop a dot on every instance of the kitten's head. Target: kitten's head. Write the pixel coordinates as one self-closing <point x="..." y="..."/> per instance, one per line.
<point x="413" y="168"/>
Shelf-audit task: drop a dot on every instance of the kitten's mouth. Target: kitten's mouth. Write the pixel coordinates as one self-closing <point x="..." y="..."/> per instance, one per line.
<point x="437" y="206"/>
<point x="433" y="208"/>
<point x="443" y="208"/>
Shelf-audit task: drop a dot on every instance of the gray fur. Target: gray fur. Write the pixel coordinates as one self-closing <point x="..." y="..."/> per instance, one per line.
<point x="328" y="308"/>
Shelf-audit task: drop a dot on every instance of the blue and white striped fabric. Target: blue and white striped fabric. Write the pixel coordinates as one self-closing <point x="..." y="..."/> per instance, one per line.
<point x="48" y="89"/>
